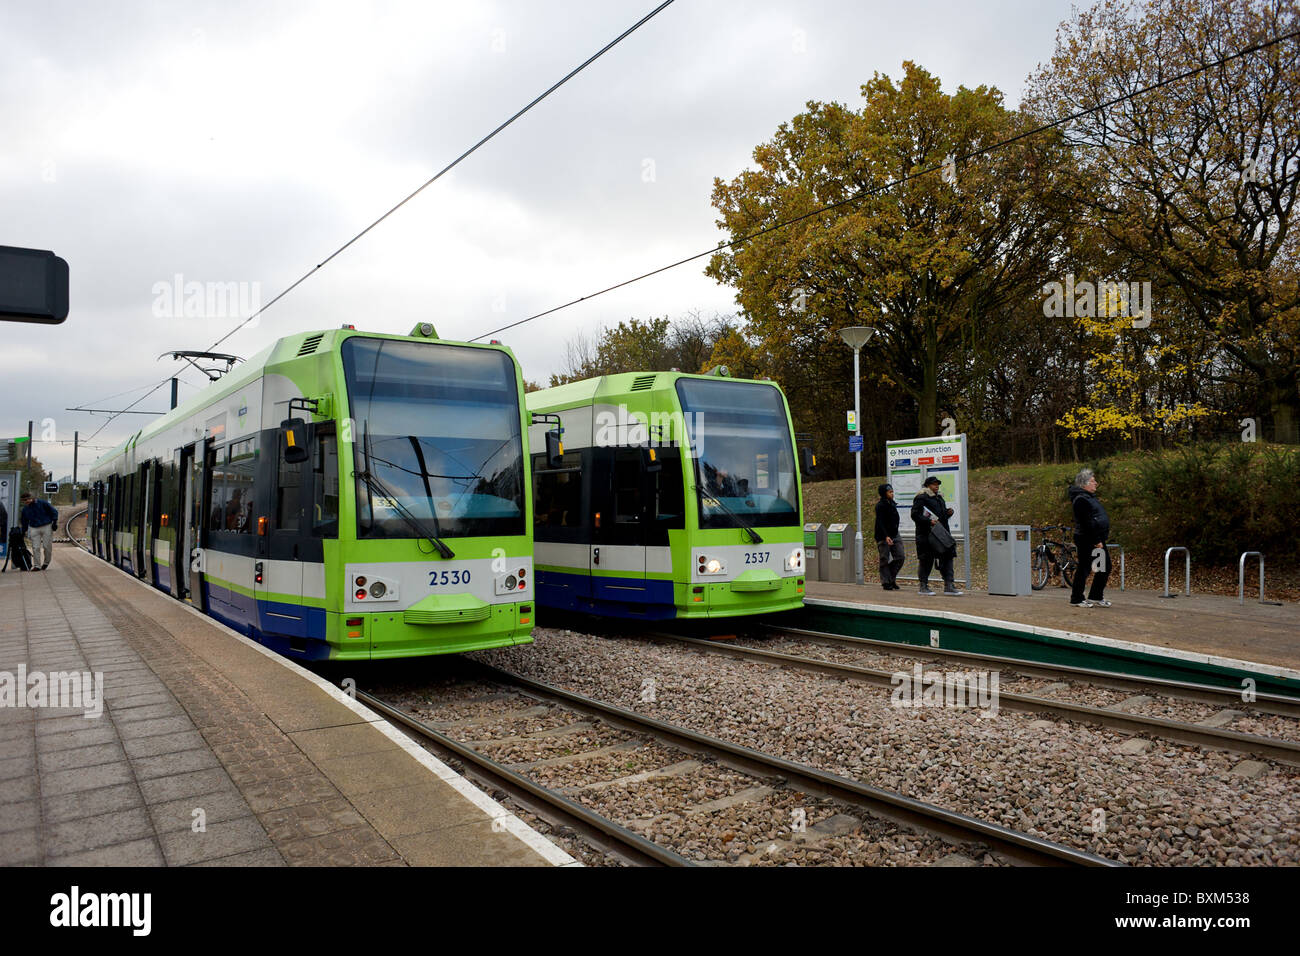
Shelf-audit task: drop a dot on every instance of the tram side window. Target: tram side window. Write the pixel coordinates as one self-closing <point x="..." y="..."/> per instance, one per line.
<point x="217" y="479"/>
<point x="628" y="505"/>
<point x="288" y="497"/>
<point x="325" y="503"/>
<point x="128" y="504"/>
<point x="557" y="495"/>
<point x="670" y="497"/>
<point x="240" y="472"/>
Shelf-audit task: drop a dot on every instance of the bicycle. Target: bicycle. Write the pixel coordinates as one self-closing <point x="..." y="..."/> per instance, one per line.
<point x="1046" y="563"/>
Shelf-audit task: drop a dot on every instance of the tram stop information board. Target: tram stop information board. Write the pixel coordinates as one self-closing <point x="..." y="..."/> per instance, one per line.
<point x="909" y="462"/>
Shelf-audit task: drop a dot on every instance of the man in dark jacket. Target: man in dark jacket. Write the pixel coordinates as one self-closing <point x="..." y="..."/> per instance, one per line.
<point x="1091" y="529"/>
<point x="929" y="509"/>
<point x="887" y="540"/>
<point x="39" y="520"/>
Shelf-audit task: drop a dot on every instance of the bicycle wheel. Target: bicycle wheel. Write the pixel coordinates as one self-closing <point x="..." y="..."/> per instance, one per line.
<point x="1069" y="564"/>
<point x="1039" y="568"/>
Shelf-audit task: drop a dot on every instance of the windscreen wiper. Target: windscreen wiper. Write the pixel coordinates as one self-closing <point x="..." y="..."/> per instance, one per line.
<point x="754" y="536"/>
<point x="374" y="484"/>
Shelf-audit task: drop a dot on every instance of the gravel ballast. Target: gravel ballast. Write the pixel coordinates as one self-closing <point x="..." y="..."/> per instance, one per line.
<point x="1128" y="799"/>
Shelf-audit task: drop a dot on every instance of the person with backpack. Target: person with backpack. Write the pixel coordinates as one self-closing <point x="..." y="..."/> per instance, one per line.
<point x="929" y="512"/>
<point x="40" y="520"/>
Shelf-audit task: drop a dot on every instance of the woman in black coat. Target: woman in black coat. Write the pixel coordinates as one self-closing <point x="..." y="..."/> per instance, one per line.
<point x="1091" y="529"/>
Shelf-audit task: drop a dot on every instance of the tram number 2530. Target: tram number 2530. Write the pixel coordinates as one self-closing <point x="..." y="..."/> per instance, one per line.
<point x="439" y="579"/>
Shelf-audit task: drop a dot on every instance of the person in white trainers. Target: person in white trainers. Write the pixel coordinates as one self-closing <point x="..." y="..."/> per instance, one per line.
<point x="1091" y="528"/>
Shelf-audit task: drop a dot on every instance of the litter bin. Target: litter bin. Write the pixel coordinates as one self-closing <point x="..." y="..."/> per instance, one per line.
<point x="1008" y="551"/>
<point x="839" y="548"/>
<point x="815" y="557"/>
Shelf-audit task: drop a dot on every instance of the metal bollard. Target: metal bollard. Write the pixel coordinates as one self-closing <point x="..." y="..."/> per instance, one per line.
<point x="1187" y="572"/>
<point x="1241" y="578"/>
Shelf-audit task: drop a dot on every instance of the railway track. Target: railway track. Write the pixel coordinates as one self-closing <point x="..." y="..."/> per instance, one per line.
<point x="1281" y="750"/>
<point x="771" y="775"/>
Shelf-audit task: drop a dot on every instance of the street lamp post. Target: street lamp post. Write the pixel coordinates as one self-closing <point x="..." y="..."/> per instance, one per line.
<point x="855" y="337"/>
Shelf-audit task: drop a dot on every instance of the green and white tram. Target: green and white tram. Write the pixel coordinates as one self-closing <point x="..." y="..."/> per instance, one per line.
<point x="675" y="496"/>
<point x="342" y="495"/>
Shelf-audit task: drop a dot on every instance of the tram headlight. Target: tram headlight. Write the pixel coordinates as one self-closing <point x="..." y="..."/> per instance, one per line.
<point x="794" y="560"/>
<point x="371" y="587"/>
<point x="707" y="565"/>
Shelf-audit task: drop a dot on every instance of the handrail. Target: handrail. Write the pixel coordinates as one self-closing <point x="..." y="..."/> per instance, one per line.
<point x="1240" y="575"/>
<point x="1187" y="572"/>
<point x="1121" y="564"/>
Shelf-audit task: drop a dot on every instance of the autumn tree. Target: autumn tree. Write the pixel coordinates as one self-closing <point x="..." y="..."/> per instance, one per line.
<point x="1195" y="181"/>
<point x="655" y="344"/>
<point x="921" y="261"/>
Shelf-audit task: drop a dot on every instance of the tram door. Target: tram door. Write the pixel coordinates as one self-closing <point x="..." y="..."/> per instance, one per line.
<point x="618" y="555"/>
<point x="197" y="490"/>
<point x="180" y="520"/>
<point x="142" y="559"/>
<point x="114" y="505"/>
<point x="282" y="551"/>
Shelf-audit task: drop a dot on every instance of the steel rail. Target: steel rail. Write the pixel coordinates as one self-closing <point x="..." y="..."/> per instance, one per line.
<point x="1275" y="704"/>
<point x="1021" y="848"/>
<point x="633" y="847"/>
<point x="1284" y="751"/>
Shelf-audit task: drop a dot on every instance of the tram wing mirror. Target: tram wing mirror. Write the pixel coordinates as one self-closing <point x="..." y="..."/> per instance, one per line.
<point x="650" y="459"/>
<point x="295" y="440"/>
<point x="554" y="448"/>
<point x="809" y="461"/>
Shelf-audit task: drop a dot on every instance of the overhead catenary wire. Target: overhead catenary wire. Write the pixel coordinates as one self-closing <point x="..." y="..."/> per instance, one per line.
<point x="452" y="165"/>
<point x="902" y="180"/>
<point x="425" y="185"/>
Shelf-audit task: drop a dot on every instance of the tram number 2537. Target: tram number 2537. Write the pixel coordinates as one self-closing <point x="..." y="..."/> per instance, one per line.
<point x="443" y="578"/>
<point x="757" y="557"/>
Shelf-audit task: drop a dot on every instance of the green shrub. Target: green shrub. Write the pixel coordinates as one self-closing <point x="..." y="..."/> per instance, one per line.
<point x="1221" y="500"/>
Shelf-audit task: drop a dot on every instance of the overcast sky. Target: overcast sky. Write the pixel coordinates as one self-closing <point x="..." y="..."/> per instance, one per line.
<point x="243" y="142"/>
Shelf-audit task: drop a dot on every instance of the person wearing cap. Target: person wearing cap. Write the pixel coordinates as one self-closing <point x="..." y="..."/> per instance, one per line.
<point x="39" y="521"/>
<point x="887" y="540"/>
<point x="929" y="509"/>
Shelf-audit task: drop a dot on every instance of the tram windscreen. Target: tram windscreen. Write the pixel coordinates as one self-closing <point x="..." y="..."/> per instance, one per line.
<point x="744" y="457"/>
<point x="437" y="426"/>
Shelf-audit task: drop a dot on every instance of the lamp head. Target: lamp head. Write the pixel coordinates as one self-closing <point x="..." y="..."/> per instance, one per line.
<point x="856" y="336"/>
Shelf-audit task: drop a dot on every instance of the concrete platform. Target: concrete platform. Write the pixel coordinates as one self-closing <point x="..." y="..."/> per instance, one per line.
<point x="202" y="748"/>
<point x="1208" y="625"/>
